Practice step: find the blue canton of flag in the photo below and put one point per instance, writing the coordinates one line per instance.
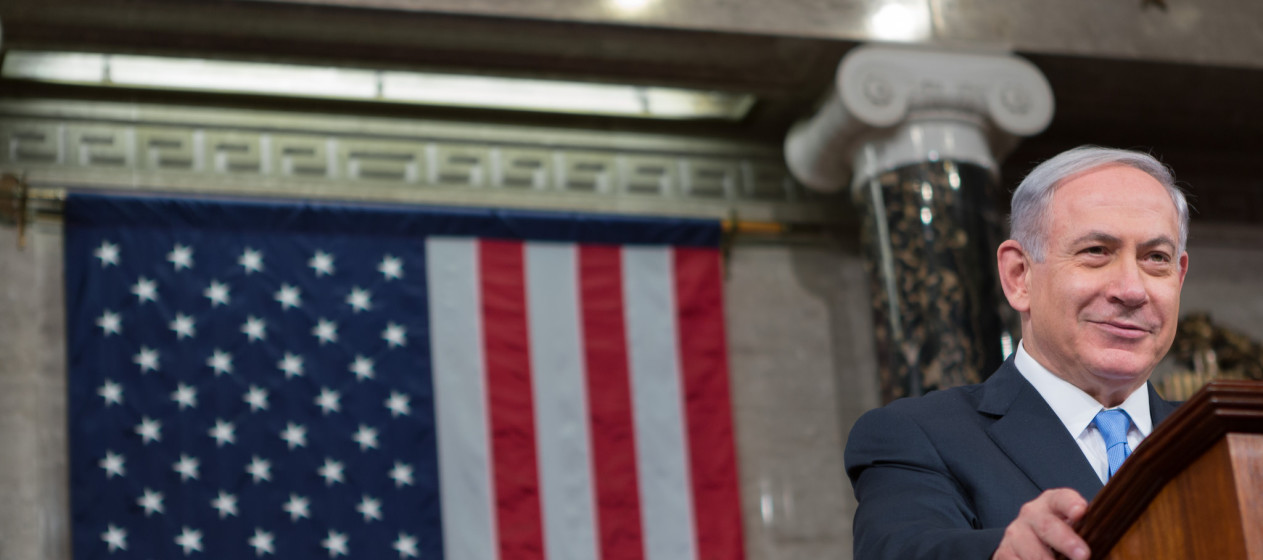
(240, 390)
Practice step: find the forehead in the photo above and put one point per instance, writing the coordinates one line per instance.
(1113, 196)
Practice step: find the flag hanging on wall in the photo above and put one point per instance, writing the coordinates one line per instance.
(268, 380)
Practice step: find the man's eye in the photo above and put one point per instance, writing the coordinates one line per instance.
(1098, 250)
(1160, 257)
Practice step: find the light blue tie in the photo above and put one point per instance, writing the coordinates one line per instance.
(1113, 425)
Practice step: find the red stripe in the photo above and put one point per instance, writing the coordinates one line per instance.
(708, 412)
(510, 401)
(609, 402)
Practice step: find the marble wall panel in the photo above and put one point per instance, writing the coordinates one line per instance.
(803, 369)
(33, 462)
(1225, 277)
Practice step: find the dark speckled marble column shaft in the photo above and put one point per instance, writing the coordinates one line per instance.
(929, 235)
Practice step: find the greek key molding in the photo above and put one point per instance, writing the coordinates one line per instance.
(88, 144)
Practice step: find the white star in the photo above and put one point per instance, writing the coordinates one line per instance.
(254, 328)
(326, 331)
(295, 435)
(336, 543)
(151, 501)
(401, 474)
(362, 368)
(110, 323)
(251, 260)
(113, 465)
(220, 361)
(395, 335)
(289, 296)
(147, 359)
(257, 397)
(360, 299)
(291, 364)
(328, 401)
(226, 504)
(223, 433)
(181, 257)
(145, 290)
(149, 430)
(398, 404)
(183, 326)
(391, 268)
(262, 542)
(112, 392)
(370, 508)
(322, 263)
(331, 471)
(115, 537)
(186, 466)
(107, 252)
(406, 545)
(297, 507)
(259, 469)
(366, 437)
(189, 540)
(185, 395)
(217, 293)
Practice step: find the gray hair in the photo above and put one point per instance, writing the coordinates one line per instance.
(1029, 220)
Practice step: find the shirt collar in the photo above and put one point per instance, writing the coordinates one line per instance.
(1072, 405)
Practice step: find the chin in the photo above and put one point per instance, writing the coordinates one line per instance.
(1122, 366)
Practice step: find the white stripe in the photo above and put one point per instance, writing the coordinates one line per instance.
(561, 409)
(469, 531)
(661, 447)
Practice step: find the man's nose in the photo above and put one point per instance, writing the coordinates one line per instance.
(1127, 286)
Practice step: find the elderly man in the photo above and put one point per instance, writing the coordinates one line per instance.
(1002, 469)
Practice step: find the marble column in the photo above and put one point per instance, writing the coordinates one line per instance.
(928, 239)
(917, 135)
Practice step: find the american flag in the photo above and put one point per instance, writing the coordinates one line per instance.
(257, 379)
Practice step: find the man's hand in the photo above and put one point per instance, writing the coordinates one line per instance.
(1043, 526)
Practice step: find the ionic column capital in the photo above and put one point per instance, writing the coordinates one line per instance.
(889, 96)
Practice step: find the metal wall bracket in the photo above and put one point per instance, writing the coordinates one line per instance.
(14, 194)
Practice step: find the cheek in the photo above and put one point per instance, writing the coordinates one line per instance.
(1056, 305)
(1065, 294)
(1165, 297)
(1169, 310)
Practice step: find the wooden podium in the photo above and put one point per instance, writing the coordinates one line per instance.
(1193, 490)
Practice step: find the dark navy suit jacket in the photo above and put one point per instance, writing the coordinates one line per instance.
(941, 476)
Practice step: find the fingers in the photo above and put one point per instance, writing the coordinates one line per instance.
(1066, 503)
(1043, 526)
(1050, 520)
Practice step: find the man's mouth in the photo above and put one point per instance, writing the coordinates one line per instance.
(1124, 329)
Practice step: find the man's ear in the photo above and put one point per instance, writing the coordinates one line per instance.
(1015, 272)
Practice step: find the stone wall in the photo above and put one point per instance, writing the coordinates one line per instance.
(34, 520)
(803, 370)
(1225, 276)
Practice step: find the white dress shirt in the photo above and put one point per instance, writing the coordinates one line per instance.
(1076, 409)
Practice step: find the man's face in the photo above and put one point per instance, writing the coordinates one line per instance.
(1105, 302)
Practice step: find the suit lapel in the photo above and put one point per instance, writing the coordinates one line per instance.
(1159, 409)
(1029, 432)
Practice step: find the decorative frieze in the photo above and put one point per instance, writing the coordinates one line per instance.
(86, 145)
